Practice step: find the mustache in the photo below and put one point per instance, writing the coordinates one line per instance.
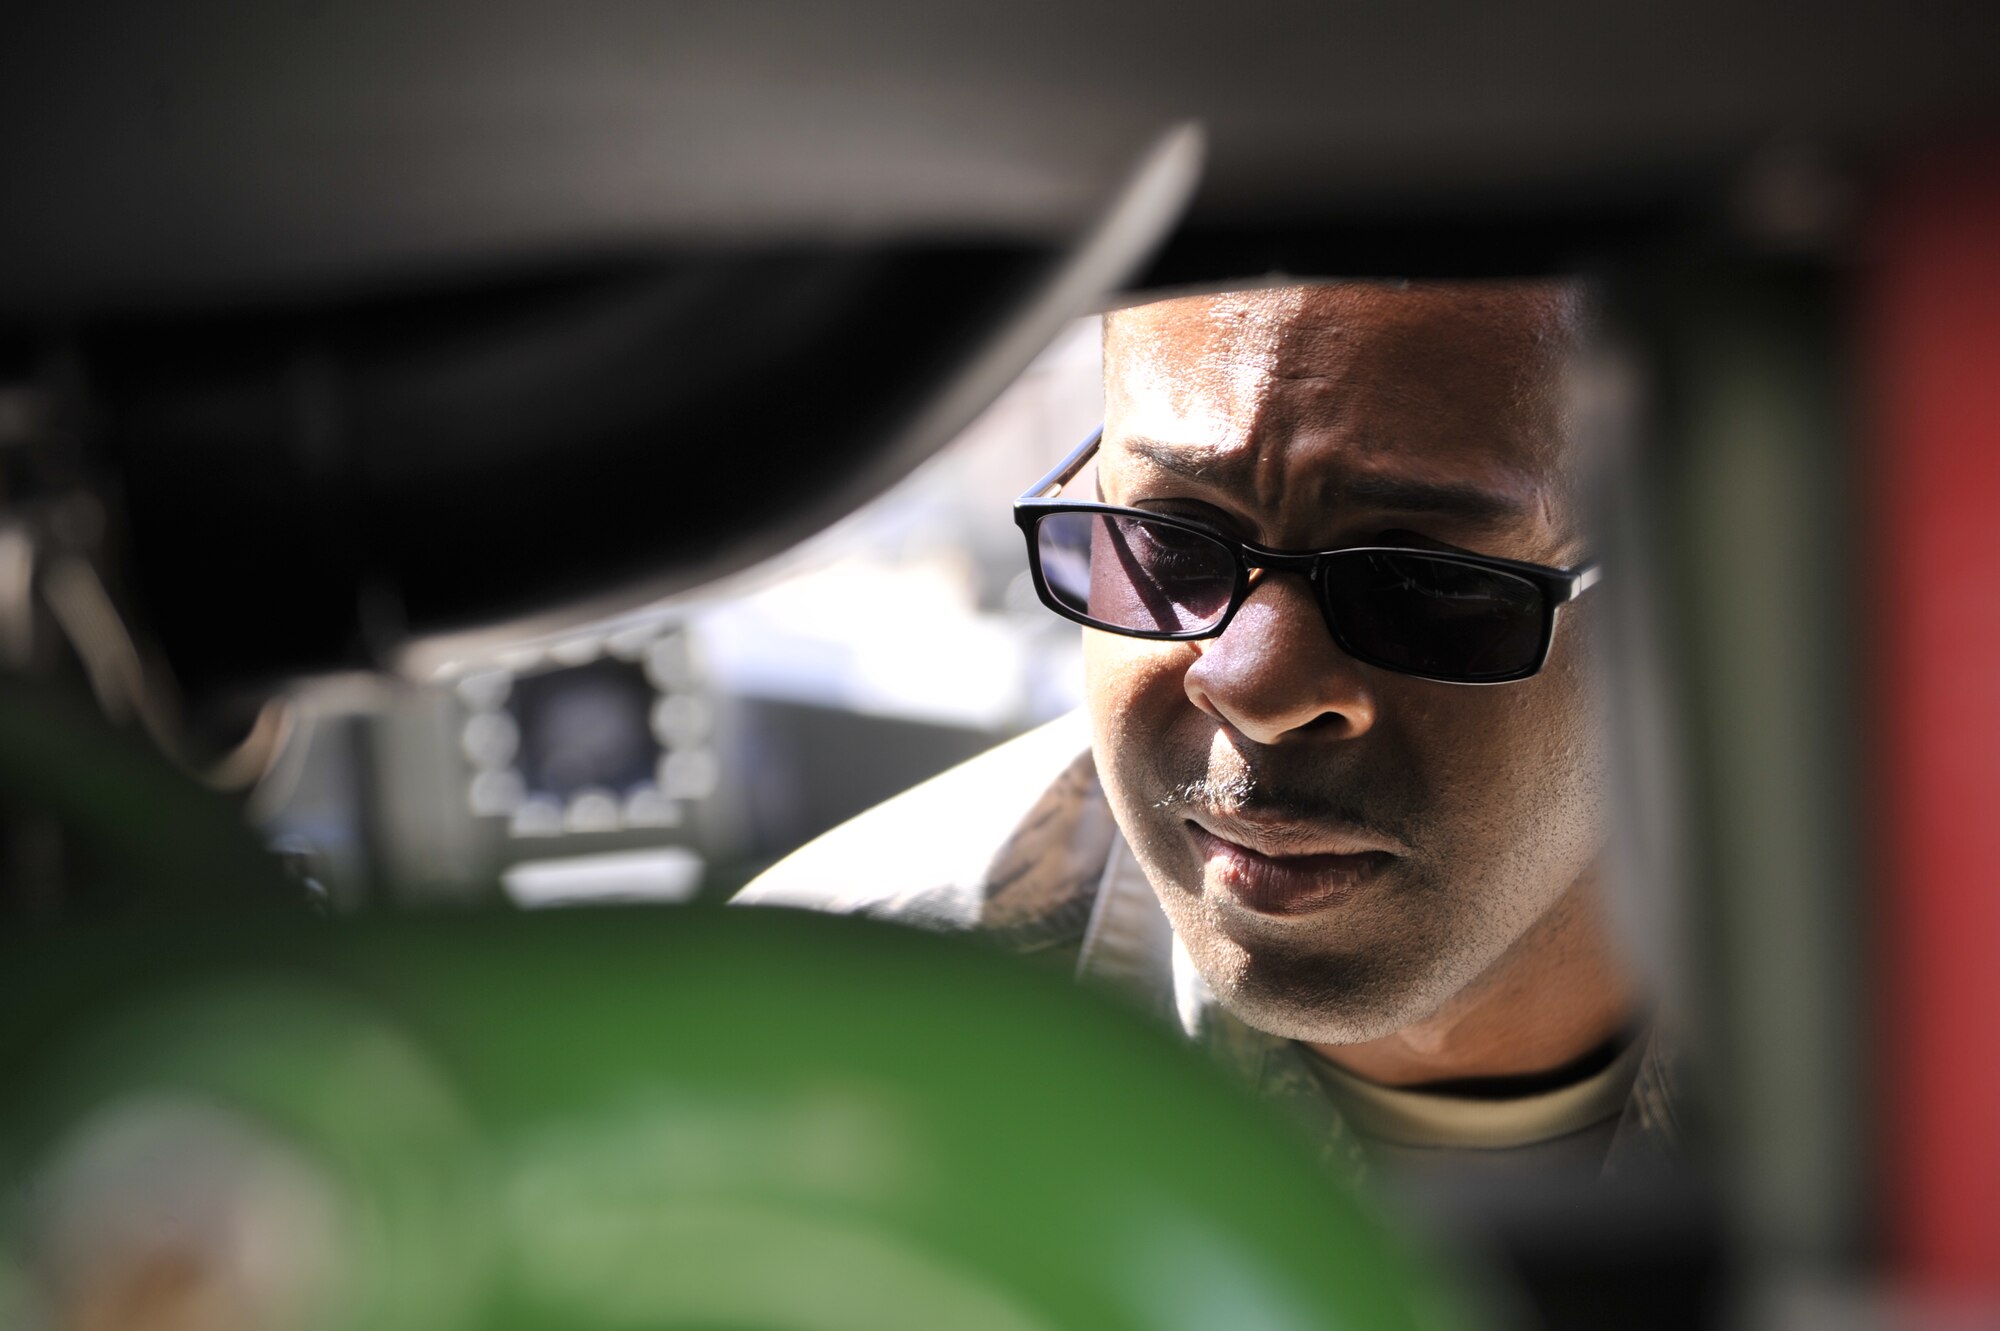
(1247, 793)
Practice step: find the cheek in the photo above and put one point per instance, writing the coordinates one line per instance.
(1130, 676)
(1522, 764)
(1514, 751)
(1136, 694)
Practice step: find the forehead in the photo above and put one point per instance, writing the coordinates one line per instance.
(1443, 383)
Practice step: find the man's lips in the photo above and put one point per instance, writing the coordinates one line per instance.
(1287, 869)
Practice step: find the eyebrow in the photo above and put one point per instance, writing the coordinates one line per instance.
(1222, 467)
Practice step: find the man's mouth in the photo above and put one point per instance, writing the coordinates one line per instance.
(1282, 870)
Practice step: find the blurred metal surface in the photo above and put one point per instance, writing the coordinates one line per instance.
(312, 483)
(225, 145)
(1752, 474)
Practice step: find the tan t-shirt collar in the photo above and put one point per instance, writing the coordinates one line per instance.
(1404, 1117)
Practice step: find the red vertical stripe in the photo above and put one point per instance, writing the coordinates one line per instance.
(1934, 338)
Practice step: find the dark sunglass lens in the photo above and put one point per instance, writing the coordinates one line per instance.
(1129, 573)
(1433, 616)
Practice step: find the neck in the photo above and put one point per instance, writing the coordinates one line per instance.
(1559, 993)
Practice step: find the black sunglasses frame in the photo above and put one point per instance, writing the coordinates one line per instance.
(1558, 586)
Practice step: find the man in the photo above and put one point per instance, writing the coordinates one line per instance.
(1343, 712)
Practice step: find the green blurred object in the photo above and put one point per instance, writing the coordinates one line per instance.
(142, 835)
(648, 1118)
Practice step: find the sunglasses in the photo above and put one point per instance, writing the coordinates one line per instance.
(1438, 615)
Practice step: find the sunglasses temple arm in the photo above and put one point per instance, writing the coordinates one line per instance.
(1584, 579)
(1065, 471)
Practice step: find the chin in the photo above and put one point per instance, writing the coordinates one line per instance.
(1322, 999)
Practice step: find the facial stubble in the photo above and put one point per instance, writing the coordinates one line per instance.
(1366, 967)
(1395, 954)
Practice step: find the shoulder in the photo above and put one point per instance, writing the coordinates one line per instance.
(1012, 842)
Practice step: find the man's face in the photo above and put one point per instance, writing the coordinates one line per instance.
(1342, 848)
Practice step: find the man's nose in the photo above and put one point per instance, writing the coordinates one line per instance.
(1276, 669)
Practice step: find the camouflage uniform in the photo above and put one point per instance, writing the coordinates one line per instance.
(1020, 846)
